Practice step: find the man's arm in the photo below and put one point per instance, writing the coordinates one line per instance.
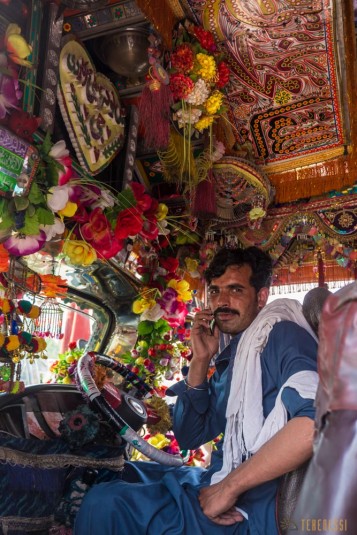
(285, 451)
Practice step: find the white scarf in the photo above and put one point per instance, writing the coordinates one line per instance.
(246, 431)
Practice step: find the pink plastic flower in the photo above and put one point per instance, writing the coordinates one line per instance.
(21, 245)
(10, 94)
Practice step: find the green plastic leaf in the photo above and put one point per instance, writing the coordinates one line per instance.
(36, 196)
(31, 226)
(145, 327)
(126, 199)
(44, 216)
(21, 203)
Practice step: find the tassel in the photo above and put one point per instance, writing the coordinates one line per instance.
(154, 111)
(320, 270)
(204, 205)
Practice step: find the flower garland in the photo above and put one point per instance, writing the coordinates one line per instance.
(197, 76)
(161, 348)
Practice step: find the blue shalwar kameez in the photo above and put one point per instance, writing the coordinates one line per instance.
(151, 499)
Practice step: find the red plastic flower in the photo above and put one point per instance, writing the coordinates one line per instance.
(150, 230)
(97, 231)
(181, 86)
(170, 264)
(129, 223)
(182, 59)
(143, 200)
(223, 74)
(205, 39)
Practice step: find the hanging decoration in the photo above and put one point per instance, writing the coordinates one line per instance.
(90, 108)
(155, 100)
(241, 184)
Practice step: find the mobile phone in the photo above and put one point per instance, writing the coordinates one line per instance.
(211, 326)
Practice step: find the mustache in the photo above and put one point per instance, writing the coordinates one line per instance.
(225, 310)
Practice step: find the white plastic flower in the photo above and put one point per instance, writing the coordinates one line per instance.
(199, 93)
(184, 117)
(152, 314)
(57, 198)
(57, 229)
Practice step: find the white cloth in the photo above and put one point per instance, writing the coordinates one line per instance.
(246, 430)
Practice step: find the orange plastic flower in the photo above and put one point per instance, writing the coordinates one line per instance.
(4, 259)
(52, 285)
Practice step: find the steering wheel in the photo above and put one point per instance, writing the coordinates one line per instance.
(133, 406)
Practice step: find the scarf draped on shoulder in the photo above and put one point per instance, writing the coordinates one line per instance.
(246, 429)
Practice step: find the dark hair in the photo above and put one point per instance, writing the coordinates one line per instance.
(260, 262)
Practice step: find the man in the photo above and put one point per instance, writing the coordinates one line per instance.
(260, 444)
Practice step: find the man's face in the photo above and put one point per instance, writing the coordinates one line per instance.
(233, 301)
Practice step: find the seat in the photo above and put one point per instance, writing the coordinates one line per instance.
(40, 470)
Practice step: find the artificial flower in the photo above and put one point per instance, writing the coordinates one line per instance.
(182, 59)
(175, 310)
(199, 93)
(208, 67)
(150, 229)
(223, 74)
(10, 94)
(4, 259)
(182, 288)
(213, 103)
(152, 314)
(192, 266)
(159, 441)
(21, 245)
(205, 39)
(97, 230)
(129, 223)
(53, 285)
(57, 198)
(143, 200)
(170, 264)
(161, 212)
(60, 153)
(69, 210)
(51, 231)
(17, 47)
(79, 252)
(110, 249)
(23, 124)
(181, 86)
(256, 213)
(204, 123)
(140, 305)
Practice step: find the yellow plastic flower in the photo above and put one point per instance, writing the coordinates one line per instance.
(256, 213)
(69, 210)
(191, 265)
(17, 47)
(182, 287)
(214, 102)
(208, 67)
(161, 211)
(80, 253)
(159, 441)
(140, 305)
(204, 122)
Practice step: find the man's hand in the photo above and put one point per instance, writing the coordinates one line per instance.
(218, 505)
(204, 340)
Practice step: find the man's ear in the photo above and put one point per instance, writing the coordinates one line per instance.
(263, 295)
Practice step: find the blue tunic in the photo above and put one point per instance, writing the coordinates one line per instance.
(152, 499)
